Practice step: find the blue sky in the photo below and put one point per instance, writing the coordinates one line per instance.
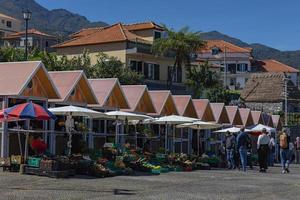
(275, 23)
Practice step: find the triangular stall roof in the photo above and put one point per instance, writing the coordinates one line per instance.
(73, 87)
(267, 120)
(26, 79)
(163, 103)
(277, 122)
(246, 116)
(234, 115)
(220, 113)
(203, 110)
(257, 117)
(185, 106)
(138, 98)
(109, 93)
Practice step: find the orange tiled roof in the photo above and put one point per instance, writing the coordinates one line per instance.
(30, 31)
(275, 66)
(14, 77)
(8, 17)
(221, 44)
(143, 26)
(65, 81)
(133, 94)
(113, 33)
(85, 32)
(181, 102)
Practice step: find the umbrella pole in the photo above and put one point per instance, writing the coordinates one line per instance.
(166, 137)
(116, 136)
(198, 142)
(19, 139)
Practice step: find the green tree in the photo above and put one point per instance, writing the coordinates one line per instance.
(182, 44)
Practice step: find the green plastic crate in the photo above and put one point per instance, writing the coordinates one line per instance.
(155, 171)
(34, 162)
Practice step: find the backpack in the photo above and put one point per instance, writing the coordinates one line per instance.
(283, 141)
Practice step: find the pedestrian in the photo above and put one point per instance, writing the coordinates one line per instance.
(230, 148)
(272, 148)
(242, 145)
(297, 150)
(284, 140)
(263, 150)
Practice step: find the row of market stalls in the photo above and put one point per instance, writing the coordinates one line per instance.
(22, 82)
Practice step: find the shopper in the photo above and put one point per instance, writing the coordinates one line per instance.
(284, 140)
(297, 150)
(230, 148)
(272, 148)
(263, 150)
(242, 144)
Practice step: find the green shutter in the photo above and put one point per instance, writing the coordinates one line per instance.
(156, 72)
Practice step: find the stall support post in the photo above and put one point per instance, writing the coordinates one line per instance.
(4, 134)
(91, 135)
(166, 137)
(52, 137)
(181, 140)
(190, 137)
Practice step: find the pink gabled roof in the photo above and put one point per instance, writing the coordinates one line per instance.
(133, 94)
(277, 121)
(65, 81)
(181, 102)
(219, 110)
(14, 77)
(246, 116)
(159, 99)
(233, 114)
(200, 106)
(257, 117)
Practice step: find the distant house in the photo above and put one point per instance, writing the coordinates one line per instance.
(237, 59)
(36, 39)
(266, 92)
(8, 25)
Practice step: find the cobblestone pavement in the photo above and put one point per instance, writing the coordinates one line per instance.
(213, 184)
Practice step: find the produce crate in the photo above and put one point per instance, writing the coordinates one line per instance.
(34, 162)
(16, 159)
(164, 170)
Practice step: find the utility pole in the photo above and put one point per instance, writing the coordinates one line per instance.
(27, 17)
(225, 69)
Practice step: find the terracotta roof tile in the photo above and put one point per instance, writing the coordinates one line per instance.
(114, 33)
(275, 66)
(14, 76)
(230, 48)
(85, 32)
(268, 87)
(30, 32)
(143, 26)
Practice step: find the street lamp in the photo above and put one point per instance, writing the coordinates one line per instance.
(27, 17)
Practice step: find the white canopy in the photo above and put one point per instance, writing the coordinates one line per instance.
(127, 115)
(231, 130)
(199, 125)
(77, 111)
(174, 119)
(260, 127)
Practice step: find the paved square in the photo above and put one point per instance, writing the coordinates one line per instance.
(213, 184)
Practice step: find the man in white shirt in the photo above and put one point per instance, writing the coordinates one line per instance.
(263, 149)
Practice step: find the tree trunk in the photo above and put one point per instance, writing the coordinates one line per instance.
(170, 81)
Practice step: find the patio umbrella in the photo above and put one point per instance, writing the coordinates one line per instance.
(231, 130)
(257, 129)
(77, 111)
(71, 111)
(199, 125)
(29, 111)
(173, 120)
(124, 116)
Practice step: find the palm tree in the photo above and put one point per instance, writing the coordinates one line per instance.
(183, 44)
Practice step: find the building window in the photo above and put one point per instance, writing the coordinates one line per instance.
(242, 67)
(177, 76)
(136, 66)
(47, 44)
(8, 24)
(3, 21)
(151, 71)
(157, 35)
(215, 51)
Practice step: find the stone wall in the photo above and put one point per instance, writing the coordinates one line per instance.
(266, 107)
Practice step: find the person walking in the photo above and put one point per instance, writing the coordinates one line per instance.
(284, 140)
(263, 150)
(297, 150)
(230, 148)
(242, 145)
(272, 148)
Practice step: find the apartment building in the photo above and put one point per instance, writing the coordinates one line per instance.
(8, 25)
